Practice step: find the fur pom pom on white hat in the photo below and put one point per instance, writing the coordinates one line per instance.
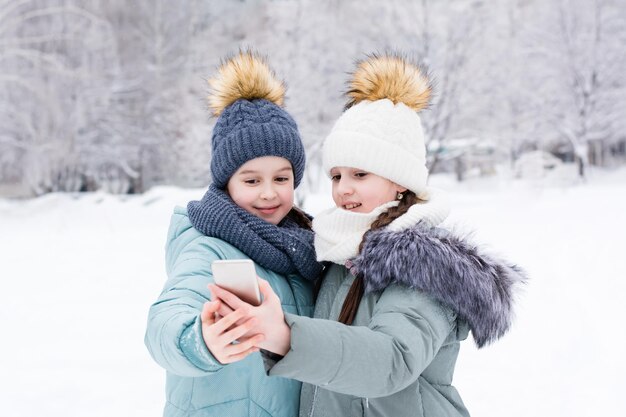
(380, 131)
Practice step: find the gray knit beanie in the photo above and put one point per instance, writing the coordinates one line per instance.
(247, 97)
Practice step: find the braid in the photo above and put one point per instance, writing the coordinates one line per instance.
(357, 289)
(409, 198)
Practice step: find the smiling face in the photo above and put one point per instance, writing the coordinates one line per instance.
(361, 191)
(263, 187)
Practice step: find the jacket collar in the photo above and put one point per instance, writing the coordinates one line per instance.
(479, 287)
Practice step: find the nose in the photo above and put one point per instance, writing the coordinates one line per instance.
(344, 187)
(268, 192)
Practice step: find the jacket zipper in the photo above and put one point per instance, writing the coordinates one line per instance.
(293, 294)
(313, 402)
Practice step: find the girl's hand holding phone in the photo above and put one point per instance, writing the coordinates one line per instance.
(269, 316)
(219, 334)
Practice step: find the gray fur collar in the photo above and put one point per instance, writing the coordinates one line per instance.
(477, 286)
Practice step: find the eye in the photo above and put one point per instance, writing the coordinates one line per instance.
(360, 174)
(251, 181)
(335, 177)
(282, 179)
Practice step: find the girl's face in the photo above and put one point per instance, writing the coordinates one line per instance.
(263, 187)
(361, 191)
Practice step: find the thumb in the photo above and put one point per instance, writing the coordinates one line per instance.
(208, 312)
(266, 290)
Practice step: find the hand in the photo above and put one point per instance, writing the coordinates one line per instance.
(223, 310)
(269, 315)
(219, 336)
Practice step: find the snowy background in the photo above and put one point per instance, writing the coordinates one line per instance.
(100, 95)
(79, 272)
(104, 129)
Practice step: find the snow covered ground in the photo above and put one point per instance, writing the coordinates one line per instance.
(79, 272)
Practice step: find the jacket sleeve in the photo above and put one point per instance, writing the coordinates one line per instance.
(406, 330)
(174, 332)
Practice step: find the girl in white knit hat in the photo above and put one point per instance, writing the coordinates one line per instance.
(400, 293)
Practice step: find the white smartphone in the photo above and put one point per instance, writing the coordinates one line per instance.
(239, 277)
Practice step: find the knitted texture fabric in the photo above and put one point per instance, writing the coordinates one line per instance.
(249, 129)
(382, 138)
(285, 248)
(339, 232)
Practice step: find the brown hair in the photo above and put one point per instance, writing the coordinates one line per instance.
(353, 299)
(300, 218)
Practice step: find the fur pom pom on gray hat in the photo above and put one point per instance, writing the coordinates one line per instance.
(247, 98)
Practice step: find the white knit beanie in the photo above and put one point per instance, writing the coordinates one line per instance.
(381, 132)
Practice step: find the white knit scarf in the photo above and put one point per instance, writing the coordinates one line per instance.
(338, 232)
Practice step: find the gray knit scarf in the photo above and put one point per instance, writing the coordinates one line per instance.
(285, 248)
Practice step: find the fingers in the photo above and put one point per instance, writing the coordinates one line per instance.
(238, 331)
(208, 311)
(224, 310)
(240, 356)
(245, 320)
(213, 306)
(244, 345)
(219, 337)
(229, 298)
(265, 289)
(226, 322)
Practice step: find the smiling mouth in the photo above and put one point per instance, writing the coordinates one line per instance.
(351, 206)
(268, 210)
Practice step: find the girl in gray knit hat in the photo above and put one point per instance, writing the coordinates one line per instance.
(402, 293)
(247, 213)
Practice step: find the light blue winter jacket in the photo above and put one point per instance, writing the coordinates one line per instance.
(197, 384)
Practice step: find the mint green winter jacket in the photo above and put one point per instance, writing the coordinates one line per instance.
(425, 289)
(396, 360)
(197, 384)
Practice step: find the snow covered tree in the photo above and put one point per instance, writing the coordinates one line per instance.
(111, 95)
(581, 75)
(55, 75)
